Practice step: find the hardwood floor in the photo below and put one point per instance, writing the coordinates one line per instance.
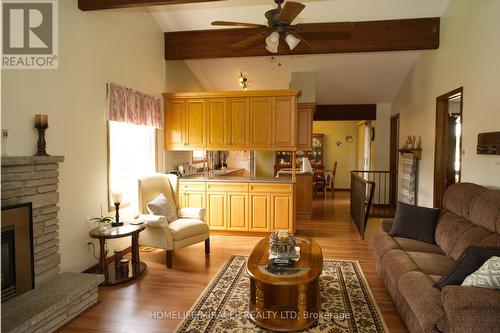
(129, 307)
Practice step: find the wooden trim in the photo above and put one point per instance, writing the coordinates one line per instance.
(441, 156)
(113, 4)
(236, 93)
(366, 36)
(345, 112)
(95, 268)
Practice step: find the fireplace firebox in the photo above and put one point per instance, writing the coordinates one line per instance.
(17, 251)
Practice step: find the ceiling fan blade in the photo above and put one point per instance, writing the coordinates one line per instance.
(238, 24)
(296, 35)
(249, 41)
(290, 11)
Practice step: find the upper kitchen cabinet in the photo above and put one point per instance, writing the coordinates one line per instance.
(174, 123)
(234, 120)
(196, 133)
(238, 122)
(305, 113)
(260, 122)
(217, 119)
(283, 122)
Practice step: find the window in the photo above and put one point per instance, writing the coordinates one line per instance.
(132, 154)
(198, 156)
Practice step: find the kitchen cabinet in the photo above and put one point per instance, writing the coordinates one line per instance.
(238, 123)
(196, 123)
(192, 195)
(260, 122)
(264, 120)
(217, 120)
(283, 122)
(305, 113)
(242, 206)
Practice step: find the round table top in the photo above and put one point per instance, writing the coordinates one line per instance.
(117, 232)
(306, 269)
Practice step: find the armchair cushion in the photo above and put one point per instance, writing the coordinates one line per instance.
(158, 221)
(161, 206)
(192, 213)
(183, 228)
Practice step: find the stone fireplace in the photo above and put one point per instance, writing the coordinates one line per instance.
(18, 273)
(30, 192)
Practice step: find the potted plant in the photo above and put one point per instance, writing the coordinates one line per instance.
(102, 221)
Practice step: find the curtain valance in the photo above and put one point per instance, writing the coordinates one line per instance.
(131, 106)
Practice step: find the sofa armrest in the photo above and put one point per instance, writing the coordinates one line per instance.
(386, 225)
(471, 309)
(192, 213)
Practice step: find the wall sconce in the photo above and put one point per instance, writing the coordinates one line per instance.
(243, 82)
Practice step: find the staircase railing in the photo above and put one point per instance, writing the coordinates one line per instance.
(362, 191)
(383, 198)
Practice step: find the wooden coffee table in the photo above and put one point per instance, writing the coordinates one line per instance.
(289, 301)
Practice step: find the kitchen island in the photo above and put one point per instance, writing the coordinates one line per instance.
(241, 204)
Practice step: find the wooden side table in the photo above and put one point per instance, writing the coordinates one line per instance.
(136, 267)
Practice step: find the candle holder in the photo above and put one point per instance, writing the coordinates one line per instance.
(41, 124)
(117, 222)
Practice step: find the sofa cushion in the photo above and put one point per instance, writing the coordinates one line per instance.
(415, 222)
(471, 237)
(460, 197)
(381, 243)
(485, 211)
(417, 246)
(472, 258)
(185, 228)
(449, 229)
(423, 299)
(396, 263)
(431, 263)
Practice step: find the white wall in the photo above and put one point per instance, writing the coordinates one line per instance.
(123, 46)
(468, 56)
(381, 144)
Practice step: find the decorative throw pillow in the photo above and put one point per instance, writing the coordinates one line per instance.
(161, 206)
(487, 276)
(415, 222)
(469, 262)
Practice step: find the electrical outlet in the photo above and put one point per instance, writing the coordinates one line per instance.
(88, 243)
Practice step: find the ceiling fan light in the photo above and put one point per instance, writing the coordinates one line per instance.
(272, 42)
(292, 41)
(272, 48)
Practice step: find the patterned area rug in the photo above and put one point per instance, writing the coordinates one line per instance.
(347, 304)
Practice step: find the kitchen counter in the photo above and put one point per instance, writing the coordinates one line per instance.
(237, 179)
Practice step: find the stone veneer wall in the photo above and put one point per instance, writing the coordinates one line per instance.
(35, 179)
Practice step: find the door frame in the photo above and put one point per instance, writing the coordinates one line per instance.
(441, 153)
(394, 159)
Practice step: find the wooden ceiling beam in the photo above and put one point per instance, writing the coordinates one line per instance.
(345, 112)
(86, 5)
(366, 36)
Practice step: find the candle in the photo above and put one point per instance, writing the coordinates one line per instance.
(41, 120)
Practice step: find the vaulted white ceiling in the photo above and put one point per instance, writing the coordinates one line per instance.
(340, 78)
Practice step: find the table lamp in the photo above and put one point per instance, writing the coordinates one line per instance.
(116, 196)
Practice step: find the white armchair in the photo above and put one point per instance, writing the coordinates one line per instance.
(189, 228)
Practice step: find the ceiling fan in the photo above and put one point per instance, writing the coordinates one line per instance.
(279, 22)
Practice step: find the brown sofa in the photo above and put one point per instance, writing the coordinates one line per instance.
(409, 268)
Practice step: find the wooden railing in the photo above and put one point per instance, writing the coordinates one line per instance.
(383, 204)
(362, 191)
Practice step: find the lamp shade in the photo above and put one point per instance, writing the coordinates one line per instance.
(292, 41)
(272, 42)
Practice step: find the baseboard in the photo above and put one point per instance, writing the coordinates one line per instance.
(95, 268)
